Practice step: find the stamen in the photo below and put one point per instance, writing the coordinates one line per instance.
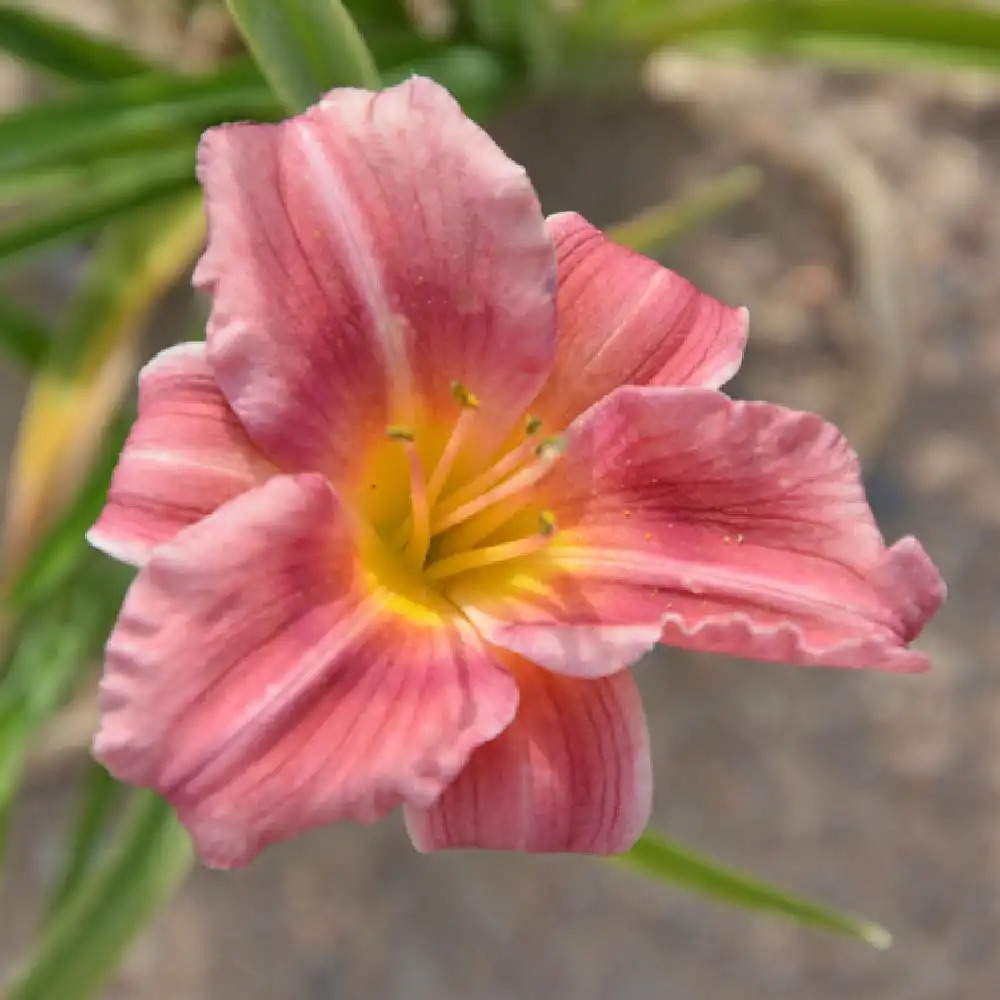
(494, 554)
(458, 439)
(548, 454)
(499, 470)
(420, 536)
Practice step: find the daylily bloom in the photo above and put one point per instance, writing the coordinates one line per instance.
(441, 472)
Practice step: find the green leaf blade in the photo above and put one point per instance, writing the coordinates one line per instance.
(149, 111)
(82, 947)
(923, 31)
(63, 49)
(100, 796)
(658, 857)
(25, 338)
(304, 47)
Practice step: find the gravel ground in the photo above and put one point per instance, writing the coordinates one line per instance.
(876, 793)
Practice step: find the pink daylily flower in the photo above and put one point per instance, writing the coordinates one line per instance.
(442, 471)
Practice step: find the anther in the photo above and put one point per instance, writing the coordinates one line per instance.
(532, 425)
(465, 397)
(397, 433)
(555, 444)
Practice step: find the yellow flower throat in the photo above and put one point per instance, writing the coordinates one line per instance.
(441, 518)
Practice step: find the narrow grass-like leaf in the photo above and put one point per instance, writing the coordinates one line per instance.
(62, 48)
(657, 857)
(118, 193)
(100, 796)
(15, 730)
(50, 649)
(21, 188)
(82, 947)
(24, 337)
(140, 112)
(927, 31)
(304, 47)
(62, 551)
(662, 223)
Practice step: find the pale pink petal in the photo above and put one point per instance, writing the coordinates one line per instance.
(186, 455)
(737, 527)
(570, 773)
(626, 320)
(262, 685)
(361, 257)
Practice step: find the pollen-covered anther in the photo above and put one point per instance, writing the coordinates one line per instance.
(547, 522)
(399, 433)
(532, 425)
(464, 396)
(554, 446)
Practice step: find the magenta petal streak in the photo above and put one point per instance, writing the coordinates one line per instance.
(571, 773)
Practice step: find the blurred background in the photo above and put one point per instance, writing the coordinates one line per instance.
(842, 179)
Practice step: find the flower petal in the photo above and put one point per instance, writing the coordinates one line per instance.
(186, 455)
(362, 257)
(571, 773)
(739, 527)
(262, 685)
(626, 320)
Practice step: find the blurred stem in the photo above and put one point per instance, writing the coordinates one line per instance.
(662, 223)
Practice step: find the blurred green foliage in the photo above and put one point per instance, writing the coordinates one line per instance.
(113, 145)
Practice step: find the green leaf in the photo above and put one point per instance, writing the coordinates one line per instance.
(101, 794)
(63, 550)
(21, 188)
(64, 49)
(304, 47)
(119, 193)
(82, 947)
(23, 336)
(929, 31)
(51, 648)
(662, 223)
(131, 266)
(15, 730)
(657, 857)
(142, 112)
